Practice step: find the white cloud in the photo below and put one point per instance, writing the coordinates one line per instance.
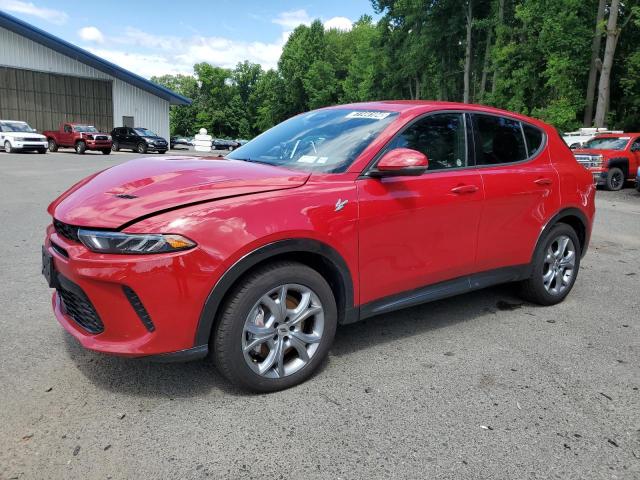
(91, 34)
(293, 18)
(145, 65)
(339, 23)
(57, 17)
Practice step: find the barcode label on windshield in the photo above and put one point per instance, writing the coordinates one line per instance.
(370, 115)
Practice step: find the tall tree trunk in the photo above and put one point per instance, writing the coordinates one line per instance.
(467, 56)
(494, 80)
(605, 76)
(485, 65)
(593, 69)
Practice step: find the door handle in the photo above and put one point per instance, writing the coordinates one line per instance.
(543, 181)
(460, 189)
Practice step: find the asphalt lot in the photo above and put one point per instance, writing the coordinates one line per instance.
(478, 386)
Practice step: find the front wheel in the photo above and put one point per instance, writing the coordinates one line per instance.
(275, 328)
(42, 150)
(7, 147)
(162, 152)
(556, 262)
(106, 151)
(142, 147)
(81, 147)
(615, 179)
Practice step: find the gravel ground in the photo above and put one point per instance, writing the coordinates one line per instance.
(478, 386)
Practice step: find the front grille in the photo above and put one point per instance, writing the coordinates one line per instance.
(589, 160)
(137, 305)
(77, 305)
(32, 139)
(101, 137)
(70, 232)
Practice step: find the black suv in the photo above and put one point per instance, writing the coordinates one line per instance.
(139, 140)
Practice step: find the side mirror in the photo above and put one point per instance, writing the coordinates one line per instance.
(401, 162)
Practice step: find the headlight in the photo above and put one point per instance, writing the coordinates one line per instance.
(108, 137)
(88, 136)
(134, 243)
(149, 140)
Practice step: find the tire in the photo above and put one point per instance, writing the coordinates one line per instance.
(7, 147)
(141, 147)
(53, 146)
(42, 150)
(162, 152)
(81, 147)
(615, 179)
(115, 146)
(539, 288)
(230, 337)
(106, 151)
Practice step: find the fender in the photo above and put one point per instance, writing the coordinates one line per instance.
(567, 212)
(620, 162)
(297, 245)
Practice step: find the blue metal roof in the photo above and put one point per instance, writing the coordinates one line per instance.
(61, 46)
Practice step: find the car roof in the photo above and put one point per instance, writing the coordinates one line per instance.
(423, 106)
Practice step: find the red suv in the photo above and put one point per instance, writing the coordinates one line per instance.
(333, 216)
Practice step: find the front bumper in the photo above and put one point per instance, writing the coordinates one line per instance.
(29, 145)
(157, 147)
(172, 289)
(98, 144)
(599, 175)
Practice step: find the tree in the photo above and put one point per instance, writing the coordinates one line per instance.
(593, 68)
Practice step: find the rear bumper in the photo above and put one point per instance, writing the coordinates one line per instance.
(172, 289)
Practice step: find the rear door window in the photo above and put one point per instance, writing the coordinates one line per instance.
(534, 138)
(499, 140)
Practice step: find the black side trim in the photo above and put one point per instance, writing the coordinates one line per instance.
(221, 288)
(137, 305)
(445, 289)
(188, 355)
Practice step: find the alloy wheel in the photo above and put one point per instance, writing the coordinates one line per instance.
(283, 331)
(616, 181)
(559, 265)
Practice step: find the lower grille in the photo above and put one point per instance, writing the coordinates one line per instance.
(77, 305)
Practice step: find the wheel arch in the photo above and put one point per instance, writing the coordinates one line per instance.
(313, 253)
(577, 220)
(620, 162)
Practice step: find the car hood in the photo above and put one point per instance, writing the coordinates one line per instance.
(25, 135)
(142, 187)
(155, 139)
(604, 153)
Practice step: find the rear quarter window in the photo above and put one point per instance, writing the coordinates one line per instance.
(534, 137)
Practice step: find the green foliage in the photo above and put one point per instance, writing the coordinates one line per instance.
(534, 60)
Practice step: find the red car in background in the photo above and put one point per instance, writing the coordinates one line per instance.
(332, 216)
(79, 136)
(613, 159)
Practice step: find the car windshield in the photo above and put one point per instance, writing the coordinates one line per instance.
(15, 127)
(607, 143)
(324, 140)
(143, 132)
(85, 128)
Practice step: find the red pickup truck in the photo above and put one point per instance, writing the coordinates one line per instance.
(612, 158)
(80, 136)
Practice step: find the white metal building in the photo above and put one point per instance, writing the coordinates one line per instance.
(45, 80)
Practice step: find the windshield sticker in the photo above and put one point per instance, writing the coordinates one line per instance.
(307, 159)
(369, 115)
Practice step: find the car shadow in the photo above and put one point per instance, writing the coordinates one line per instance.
(198, 378)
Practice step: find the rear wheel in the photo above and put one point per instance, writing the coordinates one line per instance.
(7, 147)
(556, 262)
(615, 179)
(142, 147)
(275, 328)
(81, 147)
(115, 146)
(53, 146)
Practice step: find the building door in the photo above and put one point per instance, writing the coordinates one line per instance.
(45, 99)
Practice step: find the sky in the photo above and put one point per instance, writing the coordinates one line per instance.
(169, 37)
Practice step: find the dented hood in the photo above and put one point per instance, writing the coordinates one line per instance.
(145, 186)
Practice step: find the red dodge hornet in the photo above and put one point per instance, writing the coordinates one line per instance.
(333, 216)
